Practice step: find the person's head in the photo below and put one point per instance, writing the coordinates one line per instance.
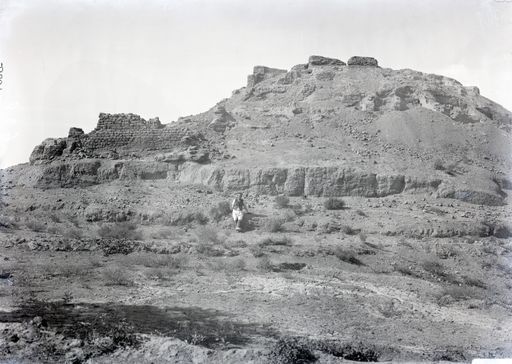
(239, 195)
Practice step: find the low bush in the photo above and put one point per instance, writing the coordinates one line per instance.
(228, 266)
(281, 202)
(273, 224)
(290, 351)
(457, 293)
(115, 276)
(434, 267)
(73, 269)
(333, 203)
(180, 218)
(238, 264)
(35, 225)
(72, 233)
(257, 251)
(8, 222)
(152, 260)
(361, 213)
(121, 230)
(474, 282)
(163, 233)
(288, 215)
(220, 211)
(346, 229)
(264, 264)
(405, 270)
(439, 165)
(281, 240)
(157, 273)
(207, 234)
(347, 256)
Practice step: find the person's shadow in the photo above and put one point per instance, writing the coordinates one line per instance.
(250, 221)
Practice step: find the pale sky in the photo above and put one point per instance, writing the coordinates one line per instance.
(64, 62)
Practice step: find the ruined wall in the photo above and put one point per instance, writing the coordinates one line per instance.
(130, 131)
(122, 133)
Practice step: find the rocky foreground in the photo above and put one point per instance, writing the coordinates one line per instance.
(379, 228)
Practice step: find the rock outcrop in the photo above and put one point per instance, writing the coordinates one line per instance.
(324, 61)
(261, 73)
(48, 150)
(362, 61)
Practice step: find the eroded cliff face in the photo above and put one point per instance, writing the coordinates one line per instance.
(324, 128)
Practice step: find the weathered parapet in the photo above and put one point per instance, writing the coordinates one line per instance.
(261, 73)
(135, 139)
(130, 132)
(126, 121)
(122, 133)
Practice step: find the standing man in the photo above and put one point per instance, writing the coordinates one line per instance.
(238, 207)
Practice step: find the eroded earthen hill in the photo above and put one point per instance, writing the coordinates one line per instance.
(323, 128)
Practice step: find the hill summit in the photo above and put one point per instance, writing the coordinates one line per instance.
(323, 128)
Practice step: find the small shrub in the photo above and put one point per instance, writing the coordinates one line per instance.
(289, 266)
(121, 230)
(72, 233)
(434, 267)
(257, 251)
(238, 264)
(405, 270)
(474, 282)
(180, 218)
(52, 230)
(220, 210)
(54, 217)
(67, 297)
(290, 351)
(8, 222)
(273, 224)
(163, 233)
(35, 225)
(288, 215)
(228, 266)
(72, 269)
(458, 294)
(208, 249)
(348, 230)
(265, 265)
(207, 234)
(347, 256)
(281, 240)
(361, 213)
(281, 202)
(95, 262)
(115, 276)
(333, 203)
(157, 273)
(74, 220)
(197, 339)
(152, 260)
(439, 165)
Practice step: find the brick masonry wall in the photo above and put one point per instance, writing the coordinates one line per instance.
(133, 132)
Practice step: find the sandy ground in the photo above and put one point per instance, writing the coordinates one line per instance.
(372, 276)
